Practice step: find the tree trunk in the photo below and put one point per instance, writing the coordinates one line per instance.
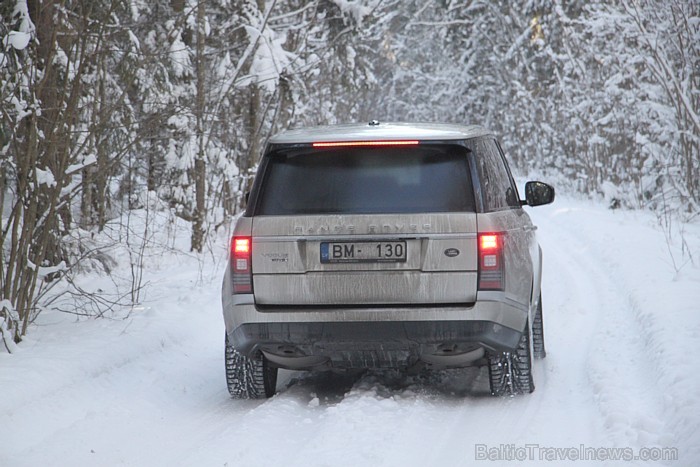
(200, 164)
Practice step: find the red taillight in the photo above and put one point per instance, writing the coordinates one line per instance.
(488, 242)
(241, 245)
(342, 144)
(241, 268)
(491, 270)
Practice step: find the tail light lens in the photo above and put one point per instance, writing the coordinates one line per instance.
(491, 267)
(241, 267)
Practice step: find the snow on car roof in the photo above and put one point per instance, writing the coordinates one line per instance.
(380, 131)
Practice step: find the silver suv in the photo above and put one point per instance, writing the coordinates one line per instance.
(386, 245)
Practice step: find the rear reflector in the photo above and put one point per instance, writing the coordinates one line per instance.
(241, 268)
(491, 267)
(341, 144)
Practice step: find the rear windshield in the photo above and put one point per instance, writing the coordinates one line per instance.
(425, 178)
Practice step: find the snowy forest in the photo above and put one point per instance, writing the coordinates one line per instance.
(117, 107)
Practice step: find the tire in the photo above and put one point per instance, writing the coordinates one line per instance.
(538, 350)
(510, 373)
(249, 378)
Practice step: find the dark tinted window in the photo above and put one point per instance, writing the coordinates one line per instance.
(426, 178)
(513, 196)
(497, 189)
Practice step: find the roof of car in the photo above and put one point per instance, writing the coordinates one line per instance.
(374, 130)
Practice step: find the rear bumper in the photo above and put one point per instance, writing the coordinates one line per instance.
(386, 337)
(373, 344)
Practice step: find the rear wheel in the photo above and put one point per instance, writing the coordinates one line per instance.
(510, 373)
(249, 378)
(538, 350)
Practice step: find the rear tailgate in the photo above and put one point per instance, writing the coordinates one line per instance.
(364, 260)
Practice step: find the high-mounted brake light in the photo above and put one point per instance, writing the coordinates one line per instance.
(341, 144)
(241, 267)
(491, 268)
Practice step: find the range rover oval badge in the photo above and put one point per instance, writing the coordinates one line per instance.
(451, 252)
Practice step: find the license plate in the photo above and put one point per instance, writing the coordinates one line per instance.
(363, 252)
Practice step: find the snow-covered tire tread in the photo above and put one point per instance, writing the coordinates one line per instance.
(248, 378)
(510, 373)
(538, 348)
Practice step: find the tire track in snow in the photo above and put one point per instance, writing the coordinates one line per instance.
(623, 380)
(379, 422)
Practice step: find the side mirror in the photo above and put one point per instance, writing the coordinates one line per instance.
(538, 193)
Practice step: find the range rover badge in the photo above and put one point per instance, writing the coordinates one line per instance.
(451, 252)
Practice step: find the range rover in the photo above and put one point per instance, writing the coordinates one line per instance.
(384, 245)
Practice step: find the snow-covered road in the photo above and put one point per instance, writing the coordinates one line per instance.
(621, 325)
